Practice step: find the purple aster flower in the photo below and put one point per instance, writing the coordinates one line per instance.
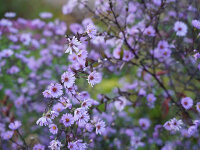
(151, 98)
(91, 30)
(15, 125)
(89, 127)
(44, 121)
(58, 107)
(65, 102)
(127, 56)
(144, 123)
(53, 114)
(84, 95)
(94, 78)
(198, 106)
(55, 145)
(166, 53)
(72, 145)
(162, 45)
(82, 55)
(192, 130)
(180, 28)
(86, 104)
(196, 24)
(56, 90)
(78, 112)
(150, 31)
(6, 53)
(157, 2)
(67, 119)
(136, 142)
(73, 44)
(68, 8)
(187, 102)
(38, 147)
(47, 94)
(167, 125)
(176, 124)
(83, 118)
(121, 103)
(7, 135)
(46, 15)
(10, 14)
(13, 70)
(117, 53)
(196, 55)
(68, 78)
(73, 57)
(81, 145)
(100, 127)
(53, 129)
(76, 28)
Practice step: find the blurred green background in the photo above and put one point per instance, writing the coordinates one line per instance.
(31, 8)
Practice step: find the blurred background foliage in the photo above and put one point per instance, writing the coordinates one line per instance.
(30, 9)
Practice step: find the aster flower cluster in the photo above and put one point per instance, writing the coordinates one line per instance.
(130, 81)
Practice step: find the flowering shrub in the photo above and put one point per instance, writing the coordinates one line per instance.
(124, 78)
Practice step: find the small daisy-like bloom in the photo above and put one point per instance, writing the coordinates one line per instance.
(144, 123)
(6, 53)
(136, 142)
(89, 127)
(150, 31)
(187, 102)
(53, 129)
(15, 125)
(94, 78)
(100, 126)
(43, 121)
(10, 14)
(78, 112)
(167, 125)
(117, 53)
(166, 53)
(196, 24)
(68, 78)
(58, 107)
(72, 145)
(196, 56)
(55, 145)
(127, 56)
(56, 90)
(151, 98)
(46, 15)
(157, 2)
(162, 45)
(73, 44)
(81, 145)
(180, 28)
(53, 114)
(91, 30)
(47, 94)
(83, 118)
(67, 119)
(39, 147)
(7, 135)
(176, 124)
(86, 104)
(82, 55)
(192, 130)
(121, 103)
(198, 106)
(13, 70)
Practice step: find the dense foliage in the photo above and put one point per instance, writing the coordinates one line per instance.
(125, 78)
